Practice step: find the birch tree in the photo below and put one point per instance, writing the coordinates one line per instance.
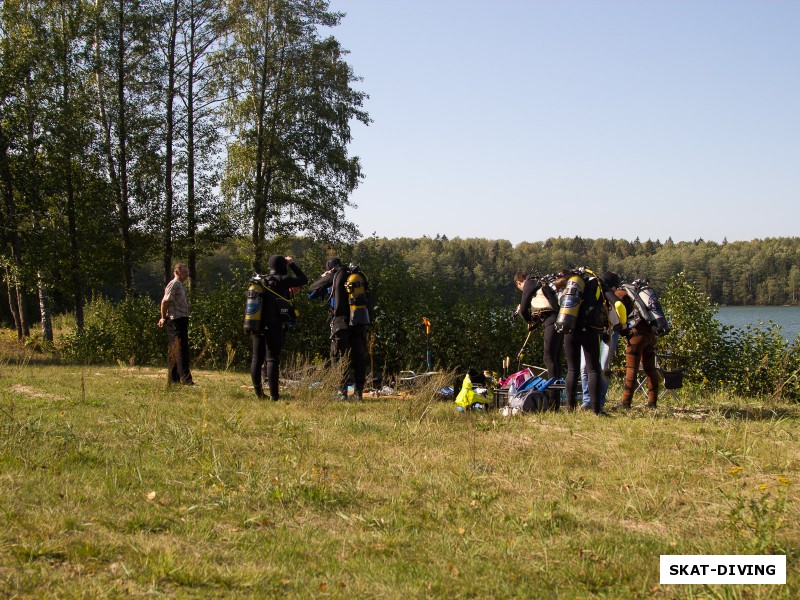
(289, 113)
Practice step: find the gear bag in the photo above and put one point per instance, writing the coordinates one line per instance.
(646, 307)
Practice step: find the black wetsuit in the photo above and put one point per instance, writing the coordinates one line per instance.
(586, 338)
(552, 339)
(346, 339)
(268, 344)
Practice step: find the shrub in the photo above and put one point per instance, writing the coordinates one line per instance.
(751, 361)
(471, 330)
(121, 332)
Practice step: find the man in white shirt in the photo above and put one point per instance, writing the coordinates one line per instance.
(175, 315)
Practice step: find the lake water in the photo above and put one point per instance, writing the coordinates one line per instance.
(788, 317)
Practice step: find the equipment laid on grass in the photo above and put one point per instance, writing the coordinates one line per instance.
(467, 398)
(533, 396)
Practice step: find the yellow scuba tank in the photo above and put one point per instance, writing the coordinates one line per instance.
(254, 307)
(622, 316)
(570, 304)
(356, 288)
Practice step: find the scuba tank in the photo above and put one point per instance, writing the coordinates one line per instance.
(255, 305)
(618, 316)
(356, 287)
(647, 308)
(658, 320)
(570, 304)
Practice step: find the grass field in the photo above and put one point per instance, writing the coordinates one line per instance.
(112, 484)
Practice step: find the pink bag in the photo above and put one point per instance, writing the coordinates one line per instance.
(517, 378)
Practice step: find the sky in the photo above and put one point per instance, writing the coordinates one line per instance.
(528, 119)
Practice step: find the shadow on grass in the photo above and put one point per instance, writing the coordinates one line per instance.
(740, 413)
(758, 413)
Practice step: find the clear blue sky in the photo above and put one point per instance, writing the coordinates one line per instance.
(523, 120)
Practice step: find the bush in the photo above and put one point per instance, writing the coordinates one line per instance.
(122, 332)
(471, 329)
(749, 361)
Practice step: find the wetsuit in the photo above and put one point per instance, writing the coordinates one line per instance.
(268, 344)
(552, 339)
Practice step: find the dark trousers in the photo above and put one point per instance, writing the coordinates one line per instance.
(588, 342)
(351, 342)
(267, 348)
(641, 348)
(553, 342)
(178, 353)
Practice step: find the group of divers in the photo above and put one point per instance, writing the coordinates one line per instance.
(585, 314)
(580, 312)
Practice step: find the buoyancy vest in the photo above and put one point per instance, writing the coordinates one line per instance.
(356, 287)
(545, 299)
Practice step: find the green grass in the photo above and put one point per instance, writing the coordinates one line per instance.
(113, 484)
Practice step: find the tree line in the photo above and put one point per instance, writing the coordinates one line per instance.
(757, 272)
(141, 130)
(463, 287)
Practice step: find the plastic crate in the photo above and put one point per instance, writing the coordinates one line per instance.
(500, 397)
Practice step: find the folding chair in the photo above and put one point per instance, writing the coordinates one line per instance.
(671, 368)
(641, 381)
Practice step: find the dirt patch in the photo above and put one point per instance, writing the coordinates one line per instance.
(33, 392)
(651, 528)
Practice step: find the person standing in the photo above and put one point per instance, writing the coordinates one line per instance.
(175, 315)
(349, 316)
(584, 336)
(640, 349)
(268, 343)
(541, 305)
(608, 341)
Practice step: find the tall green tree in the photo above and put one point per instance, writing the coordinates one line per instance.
(20, 99)
(128, 81)
(290, 111)
(204, 27)
(172, 17)
(71, 134)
